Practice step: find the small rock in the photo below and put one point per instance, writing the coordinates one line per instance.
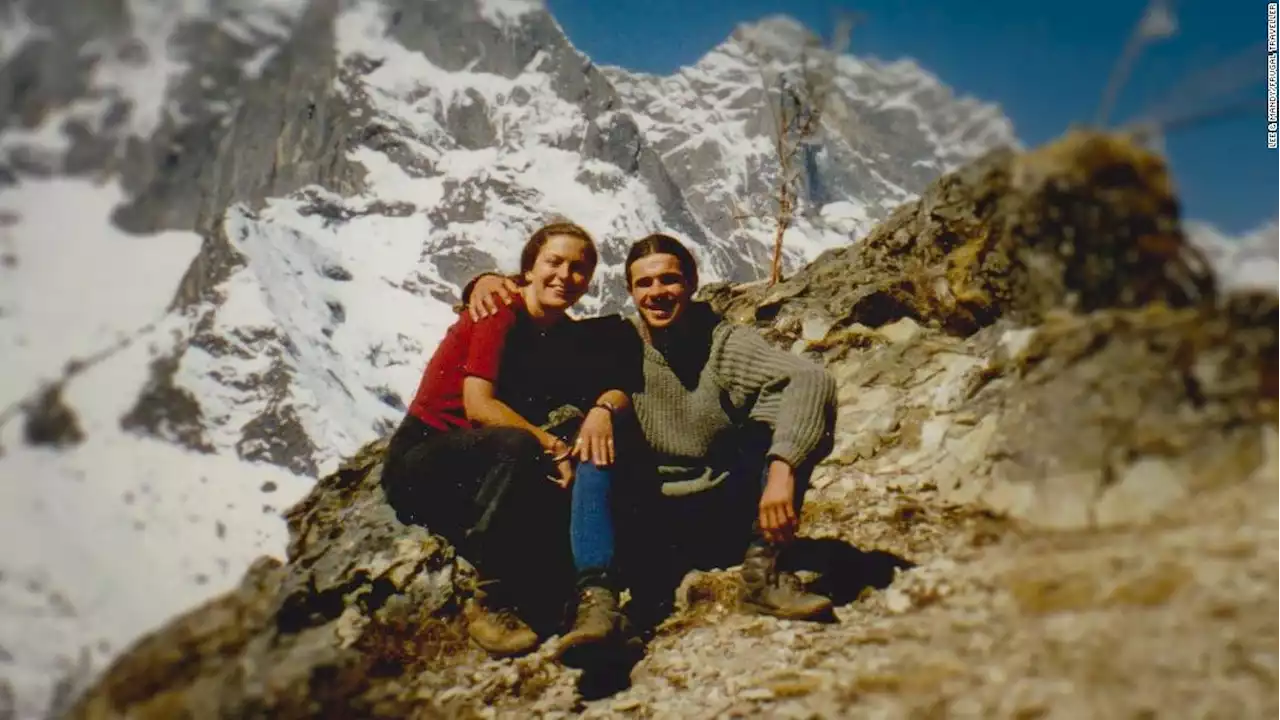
(1148, 487)
(50, 421)
(822, 477)
(896, 601)
(336, 272)
(815, 327)
(1015, 341)
(901, 331)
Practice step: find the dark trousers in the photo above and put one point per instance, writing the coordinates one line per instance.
(486, 491)
(662, 538)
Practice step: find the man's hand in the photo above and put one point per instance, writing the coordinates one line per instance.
(778, 521)
(488, 292)
(595, 438)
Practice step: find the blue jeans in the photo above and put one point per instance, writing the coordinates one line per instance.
(591, 519)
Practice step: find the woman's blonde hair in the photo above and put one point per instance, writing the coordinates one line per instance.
(539, 238)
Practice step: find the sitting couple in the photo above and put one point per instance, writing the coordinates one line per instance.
(567, 459)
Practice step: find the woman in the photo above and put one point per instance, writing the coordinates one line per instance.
(729, 418)
(478, 459)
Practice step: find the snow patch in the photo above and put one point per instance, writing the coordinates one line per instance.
(144, 82)
(349, 341)
(392, 184)
(101, 542)
(846, 216)
(16, 30)
(507, 13)
(75, 284)
(1247, 262)
(1260, 274)
(406, 84)
(781, 33)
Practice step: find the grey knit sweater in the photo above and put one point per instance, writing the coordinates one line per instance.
(691, 429)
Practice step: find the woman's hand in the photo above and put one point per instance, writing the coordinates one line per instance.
(778, 521)
(595, 438)
(564, 473)
(488, 291)
(561, 456)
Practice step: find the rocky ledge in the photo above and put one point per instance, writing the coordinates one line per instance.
(1059, 434)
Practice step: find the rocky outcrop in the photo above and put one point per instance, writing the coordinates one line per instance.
(362, 600)
(1087, 222)
(1083, 422)
(1087, 353)
(1044, 407)
(50, 422)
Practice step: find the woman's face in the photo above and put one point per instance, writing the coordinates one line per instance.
(561, 273)
(659, 289)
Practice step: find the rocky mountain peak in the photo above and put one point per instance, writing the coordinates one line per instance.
(780, 36)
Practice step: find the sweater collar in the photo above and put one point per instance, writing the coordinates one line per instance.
(688, 342)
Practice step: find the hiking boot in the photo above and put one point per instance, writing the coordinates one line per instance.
(597, 621)
(498, 631)
(778, 594)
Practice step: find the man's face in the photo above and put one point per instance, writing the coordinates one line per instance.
(659, 289)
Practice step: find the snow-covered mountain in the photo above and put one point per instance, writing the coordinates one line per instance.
(231, 232)
(888, 130)
(1250, 261)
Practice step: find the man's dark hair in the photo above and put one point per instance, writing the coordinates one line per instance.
(661, 244)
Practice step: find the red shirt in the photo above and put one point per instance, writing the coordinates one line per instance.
(468, 349)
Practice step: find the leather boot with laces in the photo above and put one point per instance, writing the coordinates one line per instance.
(771, 592)
(597, 622)
(497, 630)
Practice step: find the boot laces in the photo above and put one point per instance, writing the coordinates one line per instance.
(592, 602)
(507, 619)
(789, 583)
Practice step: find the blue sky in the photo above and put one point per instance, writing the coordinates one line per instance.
(1045, 63)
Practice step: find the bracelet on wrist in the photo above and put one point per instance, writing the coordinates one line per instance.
(556, 453)
(606, 406)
